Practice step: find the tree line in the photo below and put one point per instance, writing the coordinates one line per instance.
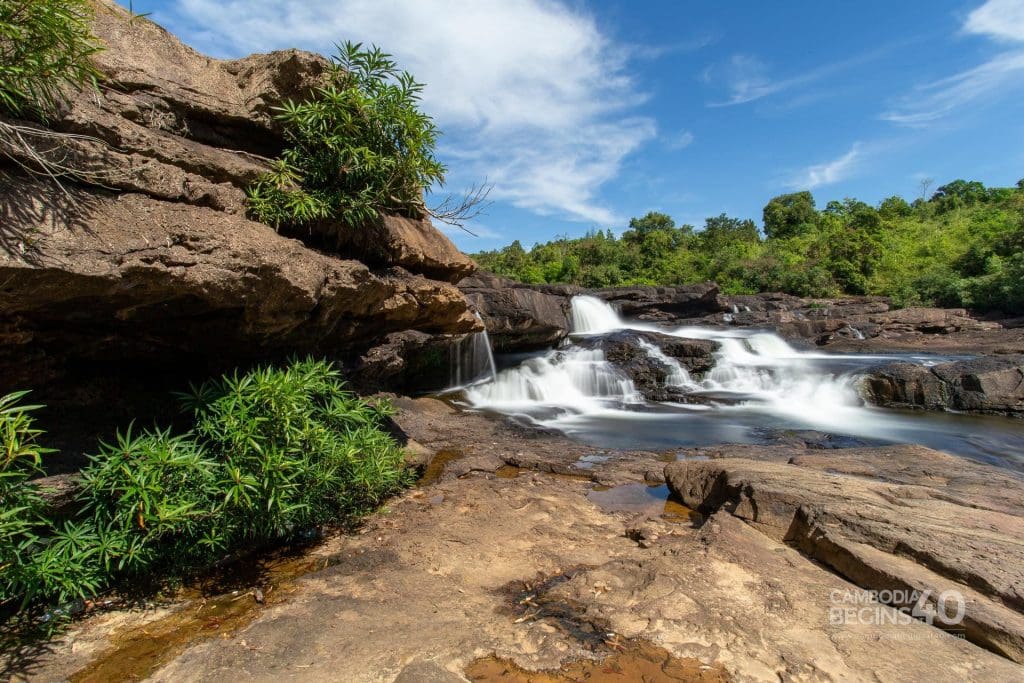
(962, 246)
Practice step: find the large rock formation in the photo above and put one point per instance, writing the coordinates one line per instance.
(985, 385)
(155, 263)
(517, 316)
(898, 519)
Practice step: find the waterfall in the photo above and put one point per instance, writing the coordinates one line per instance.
(472, 358)
(591, 315)
(678, 377)
(577, 379)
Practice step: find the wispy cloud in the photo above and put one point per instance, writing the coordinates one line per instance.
(680, 140)
(747, 78)
(533, 96)
(999, 20)
(829, 172)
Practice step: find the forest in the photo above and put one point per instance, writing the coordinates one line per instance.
(961, 246)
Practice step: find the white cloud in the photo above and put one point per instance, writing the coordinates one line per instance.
(933, 101)
(532, 94)
(829, 172)
(746, 77)
(999, 19)
(680, 140)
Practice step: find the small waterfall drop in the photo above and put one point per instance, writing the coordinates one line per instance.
(678, 377)
(576, 380)
(591, 315)
(472, 358)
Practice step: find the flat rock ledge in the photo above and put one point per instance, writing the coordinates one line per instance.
(896, 518)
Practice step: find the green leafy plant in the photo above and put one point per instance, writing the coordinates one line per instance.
(275, 451)
(38, 560)
(360, 146)
(45, 48)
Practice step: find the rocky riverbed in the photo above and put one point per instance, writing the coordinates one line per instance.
(524, 551)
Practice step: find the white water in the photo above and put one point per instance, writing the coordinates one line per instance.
(590, 315)
(758, 382)
(472, 358)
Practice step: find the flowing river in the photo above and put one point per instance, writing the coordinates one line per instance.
(759, 390)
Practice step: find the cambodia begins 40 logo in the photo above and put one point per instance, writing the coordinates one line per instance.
(897, 606)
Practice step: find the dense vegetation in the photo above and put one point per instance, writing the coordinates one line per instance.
(964, 246)
(360, 146)
(273, 453)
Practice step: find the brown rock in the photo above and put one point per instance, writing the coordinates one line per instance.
(517, 316)
(905, 530)
(984, 385)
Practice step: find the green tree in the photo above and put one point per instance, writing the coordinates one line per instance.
(789, 214)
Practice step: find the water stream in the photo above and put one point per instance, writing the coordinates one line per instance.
(759, 388)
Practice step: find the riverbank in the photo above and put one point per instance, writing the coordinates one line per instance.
(537, 549)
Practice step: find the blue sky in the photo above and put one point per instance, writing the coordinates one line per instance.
(585, 113)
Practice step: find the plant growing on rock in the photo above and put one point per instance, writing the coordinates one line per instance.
(360, 146)
(45, 48)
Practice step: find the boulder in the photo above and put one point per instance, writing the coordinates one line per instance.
(412, 243)
(900, 518)
(517, 316)
(179, 126)
(992, 384)
(653, 375)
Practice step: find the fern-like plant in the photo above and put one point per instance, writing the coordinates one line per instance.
(45, 48)
(358, 147)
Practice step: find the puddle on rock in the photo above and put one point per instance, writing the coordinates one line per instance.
(508, 472)
(587, 462)
(632, 661)
(641, 498)
(219, 604)
(432, 474)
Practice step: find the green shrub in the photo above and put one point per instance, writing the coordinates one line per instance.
(274, 452)
(45, 47)
(358, 147)
(152, 499)
(38, 561)
(295, 449)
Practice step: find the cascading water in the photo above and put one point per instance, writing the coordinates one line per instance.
(590, 315)
(758, 385)
(472, 358)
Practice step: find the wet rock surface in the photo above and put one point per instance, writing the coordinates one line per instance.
(517, 316)
(536, 551)
(625, 350)
(983, 385)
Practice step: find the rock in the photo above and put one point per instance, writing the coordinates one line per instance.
(118, 277)
(517, 316)
(662, 302)
(407, 362)
(650, 374)
(984, 385)
(412, 243)
(178, 126)
(901, 517)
